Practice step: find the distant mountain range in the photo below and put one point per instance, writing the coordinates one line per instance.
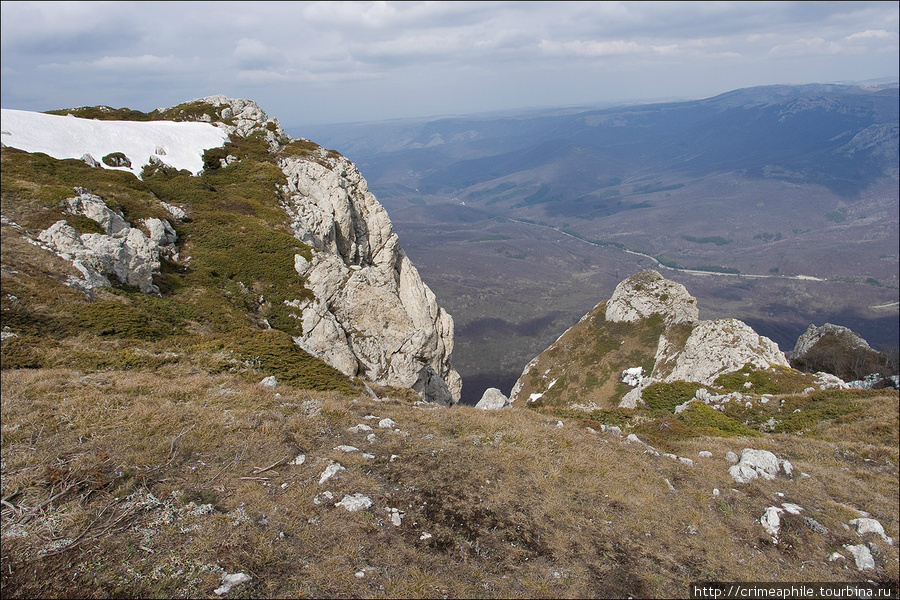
(774, 182)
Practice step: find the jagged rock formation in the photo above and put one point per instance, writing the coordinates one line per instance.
(650, 325)
(123, 251)
(372, 315)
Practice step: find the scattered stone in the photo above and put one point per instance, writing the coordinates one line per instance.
(704, 454)
(229, 580)
(792, 508)
(298, 460)
(396, 516)
(686, 461)
(815, 525)
(771, 521)
(670, 486)
(864, 526)
(269, 381)
(836, 556)
(359, 428)
(425, 536)
(716, 492)
(862, 556)
(387, 424)
(731, 457)
(323, 497)
(755, 463)
(614, 429)
(355, 502)
(330, 472)
(346, 448)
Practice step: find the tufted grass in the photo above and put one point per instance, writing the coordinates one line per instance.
(516, 505)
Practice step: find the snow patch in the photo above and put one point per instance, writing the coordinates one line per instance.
(71, 137)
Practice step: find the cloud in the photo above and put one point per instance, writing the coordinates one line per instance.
(806, 47)
(592, 49)
(252, 54)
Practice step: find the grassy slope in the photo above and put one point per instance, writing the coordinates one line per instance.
(518, 503)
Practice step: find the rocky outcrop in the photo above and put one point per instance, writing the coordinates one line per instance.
(713, 348)
(124, 252)
(372, 315)
(647, 293)
(847, 339)
(648, 320)
(241, 117)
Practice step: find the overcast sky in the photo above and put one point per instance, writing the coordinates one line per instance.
(333, 62)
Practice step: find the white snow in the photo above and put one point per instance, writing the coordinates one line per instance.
(71, 137)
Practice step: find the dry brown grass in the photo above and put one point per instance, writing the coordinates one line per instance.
(516, 505)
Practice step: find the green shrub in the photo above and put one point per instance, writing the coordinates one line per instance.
(706, 420)
(666, 396)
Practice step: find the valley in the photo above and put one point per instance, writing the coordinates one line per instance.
(775, 205)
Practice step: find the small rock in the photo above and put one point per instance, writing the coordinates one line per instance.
(269, 381)
(396, 516)
(686, 461)
(298, 460)
(862, 556)
(771, 521)
(425, 536)
(229, 580)
(387, 424)
(355, 502)
(704, 454)
(323, 498)
(731, 457)
(792, 508)
(716, 492)
(330, 471)
(864, 526)
(836, 556)
(346, 448)
(359, 428)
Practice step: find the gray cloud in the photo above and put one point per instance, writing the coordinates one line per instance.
(346, 61)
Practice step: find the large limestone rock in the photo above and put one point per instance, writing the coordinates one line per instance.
(714, 348)
(123, 252)
(647, 293)
(372, 315)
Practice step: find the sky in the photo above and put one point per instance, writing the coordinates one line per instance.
(309, 63)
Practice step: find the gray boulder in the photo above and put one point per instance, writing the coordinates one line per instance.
(492, 399)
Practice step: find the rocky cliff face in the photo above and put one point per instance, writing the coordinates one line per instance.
(372, 315)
